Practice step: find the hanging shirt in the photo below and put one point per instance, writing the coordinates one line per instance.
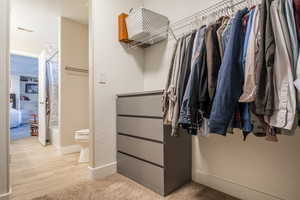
(292, 31)
(230, 80)
(169, 96)
(221, 29)
(244, 111)
(285, 98)
(249, 88)
(248, 23)
(296, 5)
(264, 102)
(293, 20)
(284, 26)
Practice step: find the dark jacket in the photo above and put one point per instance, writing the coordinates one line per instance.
(230, 80)
(264, 103)
(213, 58)
(296, 4)
(186, 67)
(189, 116)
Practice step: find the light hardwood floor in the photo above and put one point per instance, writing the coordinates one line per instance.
(37, 170)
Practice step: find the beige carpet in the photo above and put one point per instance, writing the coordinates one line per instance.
(117, 187)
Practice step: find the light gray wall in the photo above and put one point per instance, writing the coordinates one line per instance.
(255, 167)
(4, 90)
(122, 70)
(73, 87)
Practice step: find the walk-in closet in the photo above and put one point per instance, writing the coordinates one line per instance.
(187, 99)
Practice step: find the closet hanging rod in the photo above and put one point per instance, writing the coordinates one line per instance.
(220, 7)
(76, 69)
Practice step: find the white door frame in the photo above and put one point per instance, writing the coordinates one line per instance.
(4, 99)
(42, 99)
(92, 163)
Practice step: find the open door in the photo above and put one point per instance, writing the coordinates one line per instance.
(42, 99)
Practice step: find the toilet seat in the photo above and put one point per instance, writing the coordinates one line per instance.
(82, 134)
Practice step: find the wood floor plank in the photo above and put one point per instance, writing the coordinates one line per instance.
(37, 170)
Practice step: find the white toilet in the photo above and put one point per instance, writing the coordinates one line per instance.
(82, 138)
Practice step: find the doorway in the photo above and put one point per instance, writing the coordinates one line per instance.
(48, 95)
(23, 106)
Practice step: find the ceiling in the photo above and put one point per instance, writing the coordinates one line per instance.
(42, 16)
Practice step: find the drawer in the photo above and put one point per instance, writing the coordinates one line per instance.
(144, 173)
(143, 149)
(148, 128)
(148, 105)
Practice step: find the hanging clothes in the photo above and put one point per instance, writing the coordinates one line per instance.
(189, 116)
(170, 95)
(225, 36)
(244, 107)
(292, 31)
(249, 87)
(221, 29)
(285, 98)
(239, 72)
(229, 81)
(213, 58)
(296, 5)
(290, 17)
(264, 103)
(182, 79)
(284, 26)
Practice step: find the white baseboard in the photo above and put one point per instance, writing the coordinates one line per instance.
(5, 196)
(69, 149)
(102, 171)
(231, 188)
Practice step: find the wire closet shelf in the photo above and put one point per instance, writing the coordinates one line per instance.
(190, 23)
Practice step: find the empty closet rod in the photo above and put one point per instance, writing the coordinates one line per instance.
(75, 69)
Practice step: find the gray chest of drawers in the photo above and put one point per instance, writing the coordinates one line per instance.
(146, 151)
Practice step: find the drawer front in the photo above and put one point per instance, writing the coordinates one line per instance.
(144, 173)
(149, 106)
(148, 128)
(143, 149)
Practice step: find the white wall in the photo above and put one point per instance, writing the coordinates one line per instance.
(157, 57)
(73, 86)
(123, 71)
(4, 99)
(255, 169)
(43, 20)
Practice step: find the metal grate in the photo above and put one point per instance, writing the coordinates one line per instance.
(143, 23)
(190, 23)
